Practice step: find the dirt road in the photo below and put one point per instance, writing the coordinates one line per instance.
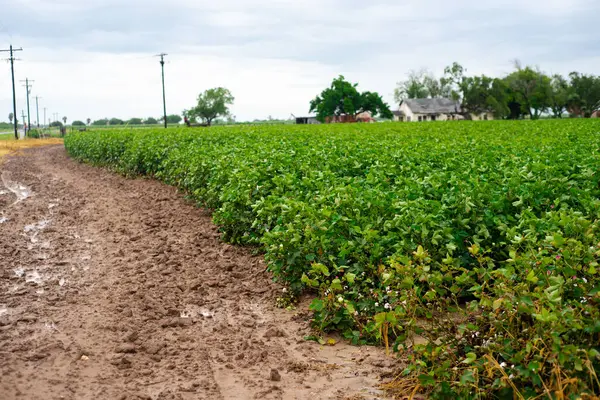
(120, 289)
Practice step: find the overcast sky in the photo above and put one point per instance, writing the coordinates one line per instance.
(94, 58)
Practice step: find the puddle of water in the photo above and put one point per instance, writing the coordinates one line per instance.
(20, 191)
(19, 272)
(3, 220)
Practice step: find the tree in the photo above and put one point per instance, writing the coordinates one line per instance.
(475, 94)
(89, 121)
(116, 121)
(584, 96)
(559, 95)
(174, 119)
(78, 123)
(135, 121)
(100, 122)
(482, 94)
(436, 88)
(56, 124)
(64, 120)
(150, 121)
(414, 87)
(10, 117)
(210, 105)
(342, 98)
(531, 89)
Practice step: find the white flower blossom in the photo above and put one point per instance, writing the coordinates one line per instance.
(584, 280)
(387, 306)
(502, 364)
(340, 299)
(376, 304)
(511, 376)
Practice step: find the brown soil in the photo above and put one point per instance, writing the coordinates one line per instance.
(120, 289)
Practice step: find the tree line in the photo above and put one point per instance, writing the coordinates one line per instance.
(527, 92)
(171, 119)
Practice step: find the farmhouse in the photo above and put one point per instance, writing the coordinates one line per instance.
(437, 109)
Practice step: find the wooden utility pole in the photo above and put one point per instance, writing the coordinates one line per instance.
(11, 58)
(24, 130)
(28, 88)
(37, 111)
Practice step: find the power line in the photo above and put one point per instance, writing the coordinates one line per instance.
(162, 66)
(12, 70)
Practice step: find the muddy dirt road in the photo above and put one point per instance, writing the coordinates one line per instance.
(120, 289)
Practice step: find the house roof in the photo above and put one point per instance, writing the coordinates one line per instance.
(433, 106)
(398, 113)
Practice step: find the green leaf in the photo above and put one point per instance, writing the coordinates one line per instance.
(426, 380)
(467, 377)
(320, 268)
(350, 277)
(531, 277)
(470, 359)
(336, 284)
(350, 308)
(594, 291)
(317, 305)
(380, 318)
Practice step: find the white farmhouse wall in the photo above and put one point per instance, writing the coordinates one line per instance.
(408, 114)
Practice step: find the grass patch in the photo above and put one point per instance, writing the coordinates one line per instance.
(8, 146)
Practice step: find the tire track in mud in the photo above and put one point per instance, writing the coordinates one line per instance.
(119, 289)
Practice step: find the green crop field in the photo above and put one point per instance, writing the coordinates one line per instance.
(471, 248)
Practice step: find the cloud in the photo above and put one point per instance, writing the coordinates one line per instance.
(95, 58)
